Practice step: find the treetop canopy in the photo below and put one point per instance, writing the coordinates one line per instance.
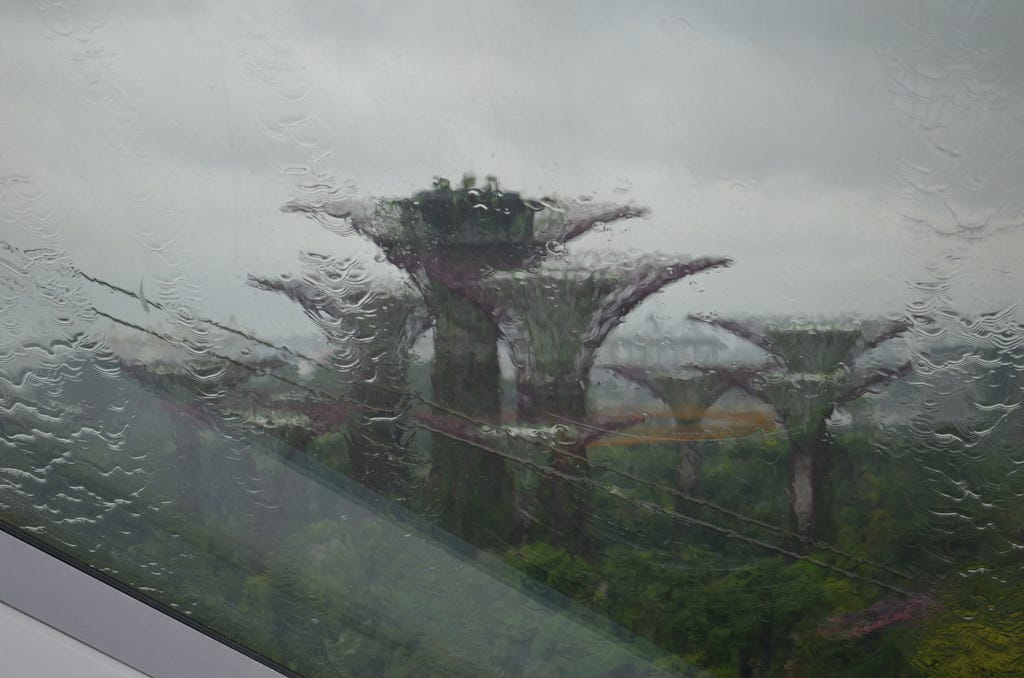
(468, 215)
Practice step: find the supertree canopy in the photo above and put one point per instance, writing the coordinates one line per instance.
(555, 318)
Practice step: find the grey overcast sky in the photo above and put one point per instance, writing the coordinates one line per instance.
(843, 153)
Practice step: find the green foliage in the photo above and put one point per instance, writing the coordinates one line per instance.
(555, 567)
(715, 611)
(959, 643)
(335, 596)
(446, 216)
(881, 654)
(331, 450)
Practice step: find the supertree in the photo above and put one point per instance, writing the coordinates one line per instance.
(688, 392)
(370, 331)
(442, 239)
(812, 369)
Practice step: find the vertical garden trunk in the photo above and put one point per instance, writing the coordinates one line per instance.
(688, 474)
(469, 487)
(688, 469)
(808, 483)
(564, 495)
(803, 493)
(376, 441)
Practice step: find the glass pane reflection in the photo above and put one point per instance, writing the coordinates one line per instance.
(720, 374)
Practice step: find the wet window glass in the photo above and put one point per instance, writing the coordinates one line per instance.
(525, 339)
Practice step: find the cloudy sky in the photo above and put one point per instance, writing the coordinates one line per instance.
(848, 156)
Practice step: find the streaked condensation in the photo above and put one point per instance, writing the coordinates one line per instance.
(509, 339)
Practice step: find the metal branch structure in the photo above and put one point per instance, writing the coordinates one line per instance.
(555, 318)
(811, 371)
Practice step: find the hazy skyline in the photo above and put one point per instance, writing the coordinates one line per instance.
(838, 153)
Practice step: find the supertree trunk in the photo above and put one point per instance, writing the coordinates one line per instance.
(808, 483)
(688, 470)
(564, 496)
(377, 439)
(553, 455)
(469, 489)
